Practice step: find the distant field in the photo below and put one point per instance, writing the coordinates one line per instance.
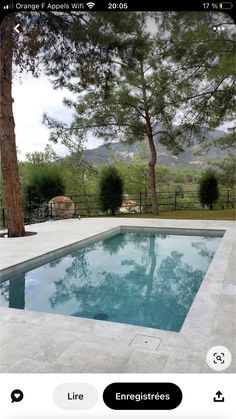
(226, 214)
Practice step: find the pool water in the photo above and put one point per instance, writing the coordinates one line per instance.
(145, 279)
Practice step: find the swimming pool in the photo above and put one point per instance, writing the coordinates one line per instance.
(147, 278)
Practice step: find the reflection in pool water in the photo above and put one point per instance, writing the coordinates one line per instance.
(146, 279)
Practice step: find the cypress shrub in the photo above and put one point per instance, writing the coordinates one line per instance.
(208, 189)
(44, 183)
(110, 189)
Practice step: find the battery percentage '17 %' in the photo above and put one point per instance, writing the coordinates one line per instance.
(210, 6)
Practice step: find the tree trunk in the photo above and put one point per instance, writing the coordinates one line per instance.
(10, 175)
(152, 174)
(150, 275)
(152, 147)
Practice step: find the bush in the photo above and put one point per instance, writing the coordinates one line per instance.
(44, 183)
(110, 189)
(208, 189)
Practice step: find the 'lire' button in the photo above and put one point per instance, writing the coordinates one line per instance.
(75, 396)
(145, 396)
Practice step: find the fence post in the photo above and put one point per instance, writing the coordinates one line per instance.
(175, 200)
(228, 198)
(140, 202)
(3, 218)
(51, 209)
(30, 214)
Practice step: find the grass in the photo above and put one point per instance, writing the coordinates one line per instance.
(225, 214)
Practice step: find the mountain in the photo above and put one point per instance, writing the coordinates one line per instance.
(127, 153)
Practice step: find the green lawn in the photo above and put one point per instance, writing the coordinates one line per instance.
(226, 214)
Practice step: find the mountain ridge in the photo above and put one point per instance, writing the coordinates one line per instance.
(128, 152)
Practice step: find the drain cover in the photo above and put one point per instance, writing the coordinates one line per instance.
(101, 316)
(146, 343)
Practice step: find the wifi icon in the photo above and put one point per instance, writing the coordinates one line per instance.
(90, 5)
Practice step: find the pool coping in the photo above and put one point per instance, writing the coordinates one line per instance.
(200, 328)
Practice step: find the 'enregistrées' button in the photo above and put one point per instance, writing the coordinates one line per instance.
(146, 396)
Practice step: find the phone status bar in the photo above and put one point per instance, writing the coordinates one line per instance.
(130, 5)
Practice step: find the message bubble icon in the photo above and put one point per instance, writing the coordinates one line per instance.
(17, 396)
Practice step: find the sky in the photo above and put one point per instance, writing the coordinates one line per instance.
(32, 98)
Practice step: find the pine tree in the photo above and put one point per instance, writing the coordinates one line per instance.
(158, 88)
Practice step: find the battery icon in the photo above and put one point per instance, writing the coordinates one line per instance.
(226, 6)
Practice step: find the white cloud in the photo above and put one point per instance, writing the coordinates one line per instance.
(33, 97)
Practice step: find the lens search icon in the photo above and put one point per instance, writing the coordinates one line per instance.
(218, 358)
(17, 396)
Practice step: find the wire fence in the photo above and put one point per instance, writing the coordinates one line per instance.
(133, 203)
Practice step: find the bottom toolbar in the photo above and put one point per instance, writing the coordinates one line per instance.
(180, 396)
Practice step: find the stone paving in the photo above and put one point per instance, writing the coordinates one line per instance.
(39, 342)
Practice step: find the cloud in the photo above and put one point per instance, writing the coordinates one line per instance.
(32, 98)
